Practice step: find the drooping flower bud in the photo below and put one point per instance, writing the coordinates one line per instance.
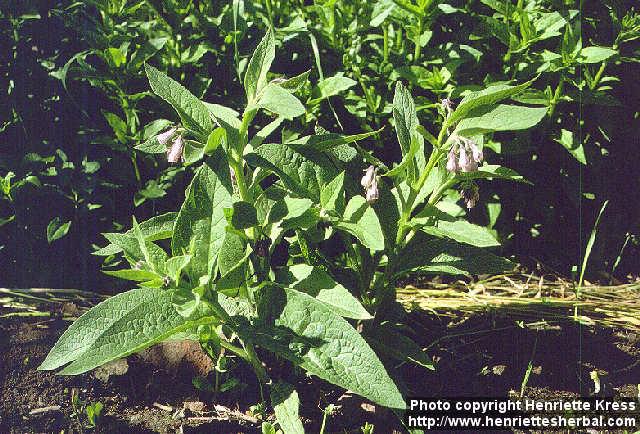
(165, 137)
(476, 152)
(174, 154)
(466, 164)
(369, 176)
(470, 195)
(372, 194)
(370, 183)
(452, 160)
(447, 105)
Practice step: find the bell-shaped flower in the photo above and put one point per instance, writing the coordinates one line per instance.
(466, 164)
(452, 160)
(165, 137)
(369, 176)
(174, 154)
(476, 152)
(372, 193)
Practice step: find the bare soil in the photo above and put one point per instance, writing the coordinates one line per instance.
(484, 356)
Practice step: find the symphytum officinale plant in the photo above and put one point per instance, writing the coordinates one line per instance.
(349, 225)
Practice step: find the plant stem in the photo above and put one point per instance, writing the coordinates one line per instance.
(385, 46)
(556, 96)
(416, 51)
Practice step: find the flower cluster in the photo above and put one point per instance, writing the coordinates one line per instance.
(464, 155)
(470, 194)
(174, 152)
(370, 184)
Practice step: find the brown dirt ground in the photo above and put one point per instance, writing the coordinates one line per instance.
(484, 356)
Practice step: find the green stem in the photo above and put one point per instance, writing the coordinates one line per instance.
(417, 48)
(385, 46)
(598, 77)
(556, 97)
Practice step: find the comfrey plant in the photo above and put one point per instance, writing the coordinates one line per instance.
(348, 225)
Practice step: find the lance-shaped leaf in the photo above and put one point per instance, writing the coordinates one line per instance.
(156, 228)
(308, 332)
(285, 401)
(200, 226)
(192, 111)
(319, 284)
(304, 172)
(327, 141)
(411, 142)
(502, 117)
(486, 97)
(463, 232)
(115, 328)
(449, 257)
(279, 101)
(256, 76)
(361, 221)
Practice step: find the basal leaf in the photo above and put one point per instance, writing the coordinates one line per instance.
(449, 257)
(115, 328)
(285, 401)
(308, 332)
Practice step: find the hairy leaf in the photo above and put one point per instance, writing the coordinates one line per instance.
(192, 111)
(200, 225)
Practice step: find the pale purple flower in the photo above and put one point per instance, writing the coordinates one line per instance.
(372, 194)
(447, 105)
(475, 151)
(165, 137)
(174, 154)
(466, 164)
(370, 183)
(369, 176)
(452, 161)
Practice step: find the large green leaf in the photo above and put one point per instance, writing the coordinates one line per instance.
(489, 96)
(449, 257)
(361, 221)
(200, 226)
(279, 101)
(115, 328)
(331, 86)
(302, 171)
(405, 117)
(256, 76)
(463, 232)
(140, 252)
(327, 141)
(411, 142)
(502, 117)
(192, 111)
(312, 335)
(319, 284)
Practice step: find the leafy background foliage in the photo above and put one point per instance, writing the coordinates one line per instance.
(77, 103)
